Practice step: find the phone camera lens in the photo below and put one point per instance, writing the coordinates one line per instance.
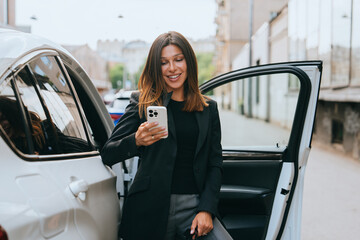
(156, 113)
(150, 111)
(151, 115)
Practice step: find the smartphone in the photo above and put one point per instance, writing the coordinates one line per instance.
(188, 235)
(158, 114)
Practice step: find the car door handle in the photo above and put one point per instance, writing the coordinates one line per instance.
(79, 188)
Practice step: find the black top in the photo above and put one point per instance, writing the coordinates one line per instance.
(187, 131)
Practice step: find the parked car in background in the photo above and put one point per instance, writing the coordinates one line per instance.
(109, 97)
(117, 107)
(53, 124)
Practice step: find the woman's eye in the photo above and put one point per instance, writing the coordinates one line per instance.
(179, 59)
(163, 63)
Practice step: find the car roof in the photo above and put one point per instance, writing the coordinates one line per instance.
(15, 44)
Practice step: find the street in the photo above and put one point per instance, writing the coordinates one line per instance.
(250, 131)
(331, 204)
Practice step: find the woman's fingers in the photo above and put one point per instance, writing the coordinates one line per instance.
(153, 129)
(148, 133)
(203, 223)
(148, 126)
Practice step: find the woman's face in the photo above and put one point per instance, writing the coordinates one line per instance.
(173, 68)
(5, 124)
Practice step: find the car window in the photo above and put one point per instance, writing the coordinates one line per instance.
(246, 119)
(57, 96)
(12, 119)
(93, 116)
(47, 97)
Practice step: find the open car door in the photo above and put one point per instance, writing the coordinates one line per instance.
(267, 115)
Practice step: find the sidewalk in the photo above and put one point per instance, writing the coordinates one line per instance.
(331, 204)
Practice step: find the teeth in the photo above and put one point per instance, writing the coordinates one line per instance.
(174, 76)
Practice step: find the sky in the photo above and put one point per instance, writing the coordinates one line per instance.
(74, 22)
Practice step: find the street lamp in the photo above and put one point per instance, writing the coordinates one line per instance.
(120, 16)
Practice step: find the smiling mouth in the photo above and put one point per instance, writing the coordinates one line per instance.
(174, 76)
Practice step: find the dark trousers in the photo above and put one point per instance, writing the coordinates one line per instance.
(182, 213)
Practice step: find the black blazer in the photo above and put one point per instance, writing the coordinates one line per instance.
(146, 207)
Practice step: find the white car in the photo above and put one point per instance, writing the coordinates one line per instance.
(53, 124)
(117, 107)
(55, 186)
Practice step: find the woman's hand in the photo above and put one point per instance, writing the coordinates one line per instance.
(148, 133)
(204, 224)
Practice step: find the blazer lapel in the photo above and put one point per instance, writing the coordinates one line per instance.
(166, 98)
(171, 122)
(202, 119)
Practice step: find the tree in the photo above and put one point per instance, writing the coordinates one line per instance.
(137, 75)
(117, 76)
(205, 66)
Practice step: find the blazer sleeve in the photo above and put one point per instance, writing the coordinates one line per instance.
(210, 195)
(122, 145)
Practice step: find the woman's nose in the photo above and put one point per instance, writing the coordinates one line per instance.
(172, 67)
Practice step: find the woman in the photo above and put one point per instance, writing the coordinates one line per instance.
(11, 122)
(176, 189)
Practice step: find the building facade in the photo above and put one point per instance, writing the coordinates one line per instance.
(131, 54)
(205, 45)
(330, 31)
(259, 97)
(233, 26)
(135, 53)
(95, 66)
(232, 36)
(310, 30)
(112, 51)
(7, 13)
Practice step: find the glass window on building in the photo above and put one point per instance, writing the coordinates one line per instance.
(341, 32)
(325, 42)
(355, 48)
(312, 36)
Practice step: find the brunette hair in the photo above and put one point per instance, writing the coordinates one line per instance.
(151, 83)
(10, 112)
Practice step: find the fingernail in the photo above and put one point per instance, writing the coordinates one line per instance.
(192, 231)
